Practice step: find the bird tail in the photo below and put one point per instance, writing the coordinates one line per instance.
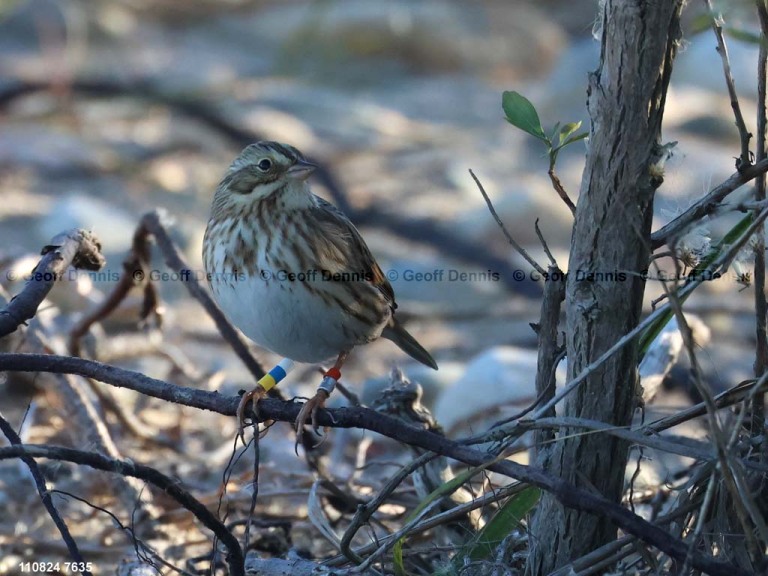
(407, 343)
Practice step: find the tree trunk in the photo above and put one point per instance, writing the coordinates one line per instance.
(611, 239)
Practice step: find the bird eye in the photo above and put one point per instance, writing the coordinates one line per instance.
(265, 164)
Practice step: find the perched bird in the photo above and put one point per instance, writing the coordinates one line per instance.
(293, 273)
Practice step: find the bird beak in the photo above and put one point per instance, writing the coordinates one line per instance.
(301, 170)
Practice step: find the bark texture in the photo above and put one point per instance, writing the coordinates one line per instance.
(611, 236)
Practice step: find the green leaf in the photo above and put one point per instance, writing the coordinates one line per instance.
(554, 151)
(522, 114)
(743, 35)
(443, 490)
(484, 544)
(554, 131)
(647, 337)
(701, 23)
(567, 130)
(397, 554)
(576, 138)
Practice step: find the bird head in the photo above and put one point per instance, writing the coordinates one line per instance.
(266, 169)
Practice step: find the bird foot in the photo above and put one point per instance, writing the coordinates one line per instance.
(309, 411)
(310, 408)
(254, 396)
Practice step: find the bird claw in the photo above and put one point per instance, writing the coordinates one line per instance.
(254, 396)
(309, 412)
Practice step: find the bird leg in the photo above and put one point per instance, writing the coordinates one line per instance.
(311, 406)
(265, 383)
(254, 396)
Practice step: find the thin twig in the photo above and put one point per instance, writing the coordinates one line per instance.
(749, 205)
(544, 244)
(743, 503)
(388, 543)
(731, 397)
(168, 485)
(255, 488)
(683, 447)
(365, 511)
(357, 417)
(442, 518)
(136, 271)
(708, 204)
(744, 135)
(507, 235)
(141, 548)
(45, 497)
(544, 396)
(558, 186)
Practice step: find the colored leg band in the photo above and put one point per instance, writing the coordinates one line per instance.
(276, 375)
(268, 382)
(328, 384)
(334, 373)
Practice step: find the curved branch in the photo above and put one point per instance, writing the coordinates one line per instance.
(152, 224)
(129, 468)
(135, 273)
(357, 417)
(78, 248)
(45, 496)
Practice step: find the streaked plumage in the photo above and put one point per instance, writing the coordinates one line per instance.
(265, 226)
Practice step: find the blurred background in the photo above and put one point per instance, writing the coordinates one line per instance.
(110, 109)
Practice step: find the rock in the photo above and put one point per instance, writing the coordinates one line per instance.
(495, 384)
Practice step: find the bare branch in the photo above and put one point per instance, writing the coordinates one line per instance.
(357, 417)
(549, 353)
(558, 186)
(507, 235)
(744, 134)
(78, 248)
(45, 496)
(165, 483)
(708, 204)
(544, 244)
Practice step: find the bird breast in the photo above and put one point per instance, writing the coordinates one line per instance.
(277, 297)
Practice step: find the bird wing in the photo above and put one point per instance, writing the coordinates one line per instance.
(343, 246)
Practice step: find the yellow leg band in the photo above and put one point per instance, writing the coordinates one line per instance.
(275, 375)
(268, 382)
